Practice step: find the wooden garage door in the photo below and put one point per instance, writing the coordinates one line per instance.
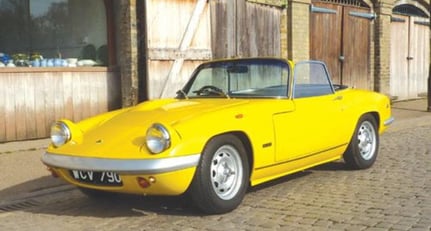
(243, 28)
(179, 39)
(339, 36)
(409, 56)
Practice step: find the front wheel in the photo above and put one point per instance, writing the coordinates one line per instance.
(222, 176)
(364, 145)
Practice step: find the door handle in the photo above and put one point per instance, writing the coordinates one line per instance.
(409, 58)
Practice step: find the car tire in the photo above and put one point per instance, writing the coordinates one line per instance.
(364, 145)
(222, 176)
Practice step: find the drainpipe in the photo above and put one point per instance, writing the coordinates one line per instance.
(429, 84)
(429, 74)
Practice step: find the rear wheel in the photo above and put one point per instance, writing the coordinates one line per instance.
(222, 176)
(364, 145)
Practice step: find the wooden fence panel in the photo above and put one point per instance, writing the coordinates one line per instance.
(31, 100)
(244, 29)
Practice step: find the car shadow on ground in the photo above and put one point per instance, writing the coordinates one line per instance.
(48, 195)
(333, 166)
(59, 198)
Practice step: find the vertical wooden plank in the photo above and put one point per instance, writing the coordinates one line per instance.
(399, 52)
(29, 94)
(242, 36)
(68, 95)
(94, 88)
(58, 100)
(10, 108)
(3, 86)
(39, 104)
(218, 28)
(85, 95)
(356, 42)
(77, 97)
(103, 93)
(20, 104)
(49, 96)
(223, 28)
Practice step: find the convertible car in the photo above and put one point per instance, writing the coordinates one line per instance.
(236, 123)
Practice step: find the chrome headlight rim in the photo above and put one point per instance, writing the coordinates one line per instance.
(60, 134)
(158, 138)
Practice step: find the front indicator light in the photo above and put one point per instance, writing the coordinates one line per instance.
(145, 183)
(158, 139)
(60, 134)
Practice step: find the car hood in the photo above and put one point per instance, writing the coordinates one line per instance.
(170, 112)
(123, 135)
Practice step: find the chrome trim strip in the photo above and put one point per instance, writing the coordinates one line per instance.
(389, 121)
(132, 166)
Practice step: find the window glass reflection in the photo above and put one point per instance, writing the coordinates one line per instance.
(70, 32)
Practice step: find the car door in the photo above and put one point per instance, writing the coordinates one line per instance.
(311, 128)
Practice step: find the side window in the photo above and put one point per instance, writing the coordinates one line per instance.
(311, 79)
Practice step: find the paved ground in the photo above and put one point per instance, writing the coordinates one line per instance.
(395, 194)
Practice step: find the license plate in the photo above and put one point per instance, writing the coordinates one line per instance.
(97, 178)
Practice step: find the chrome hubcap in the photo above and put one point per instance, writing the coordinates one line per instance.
(367, 140)
(226, 172)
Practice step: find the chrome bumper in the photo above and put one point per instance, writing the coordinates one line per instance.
(125, 166)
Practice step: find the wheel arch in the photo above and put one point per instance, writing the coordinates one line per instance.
(245, 140)
(376, 116)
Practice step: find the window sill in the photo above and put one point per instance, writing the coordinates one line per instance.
(55, 69)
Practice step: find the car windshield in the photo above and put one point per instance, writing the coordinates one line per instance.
(244, 78)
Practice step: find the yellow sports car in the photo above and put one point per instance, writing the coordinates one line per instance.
(236, 123)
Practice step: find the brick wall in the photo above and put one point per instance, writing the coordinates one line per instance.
(298, 32)
(382, 42)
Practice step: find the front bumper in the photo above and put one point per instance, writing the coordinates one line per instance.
(121, 166)
(173, 175)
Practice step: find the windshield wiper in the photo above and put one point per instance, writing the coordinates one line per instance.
(211, 90)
